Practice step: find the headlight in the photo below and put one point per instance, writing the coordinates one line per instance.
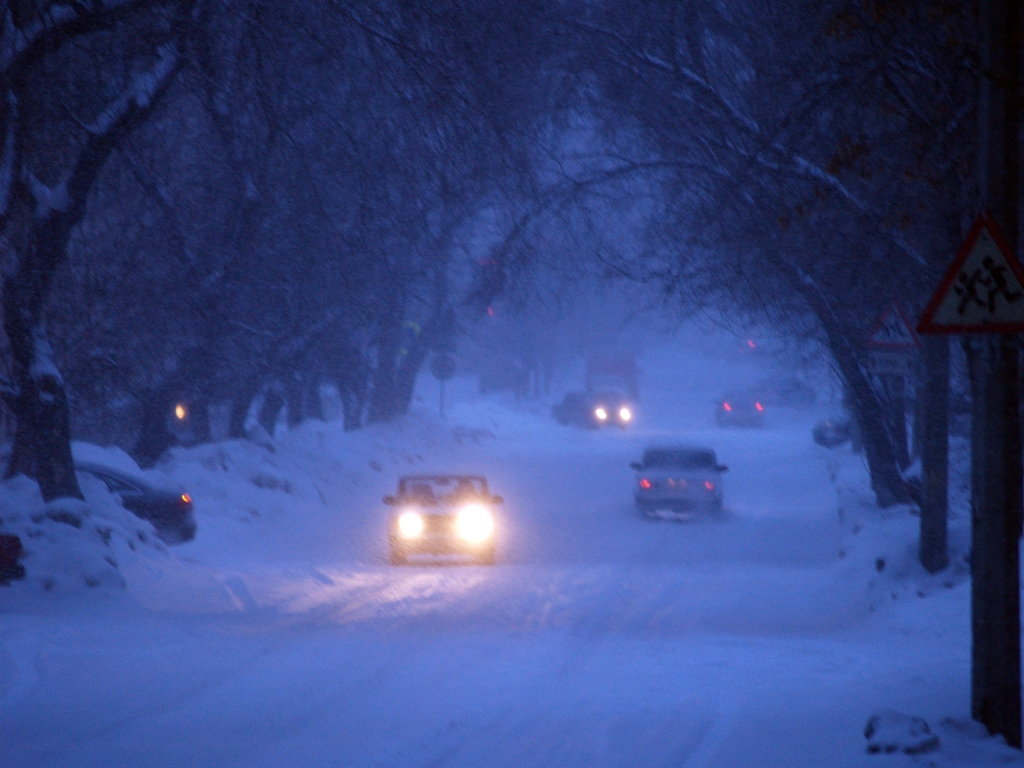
(410, 524)
(474, 523)
(601, 414)
(625, 414)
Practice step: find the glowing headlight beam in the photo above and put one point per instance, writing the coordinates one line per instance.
(601, 414)
(625, 414)
(410, 524)
(474, 523)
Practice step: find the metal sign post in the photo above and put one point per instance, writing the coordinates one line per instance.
(443, 367)
(982, 293)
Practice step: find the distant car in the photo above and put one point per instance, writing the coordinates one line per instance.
(740, 409)
(442, 515)
(170, 511)
(682, 480)
(831, 433)
(595, 409)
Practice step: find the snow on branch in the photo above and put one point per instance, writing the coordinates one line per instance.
(142, 90)
(47, 198)
(15, 41)
(43, 365)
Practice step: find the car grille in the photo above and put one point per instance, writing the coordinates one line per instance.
(438, 524)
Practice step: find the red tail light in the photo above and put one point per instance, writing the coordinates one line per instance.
(709, 485)
(186, 498)
(645, 483)
(727, 406)
(759, 406)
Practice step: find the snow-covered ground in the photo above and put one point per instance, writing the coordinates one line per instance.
(282, 636)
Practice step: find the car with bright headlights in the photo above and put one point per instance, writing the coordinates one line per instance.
(594, 409)
(611, 408)
(442, 515)
(678, 481)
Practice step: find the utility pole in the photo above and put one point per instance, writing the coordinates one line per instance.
(996, 449)
(982, 295)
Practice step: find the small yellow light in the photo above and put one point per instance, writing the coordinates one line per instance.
(410, 525)
(601, 414)
(186, 498)
(180, 412)
(625, 414)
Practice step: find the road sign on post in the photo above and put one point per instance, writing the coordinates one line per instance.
(442, 365)
(983, 293)
(892, 350)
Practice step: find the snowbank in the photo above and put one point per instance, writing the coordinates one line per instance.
(72, 546)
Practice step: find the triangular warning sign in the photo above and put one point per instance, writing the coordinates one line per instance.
(983, 291)
(893, 331)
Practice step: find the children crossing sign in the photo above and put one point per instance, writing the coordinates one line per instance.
(983, 290)
(892, 342)
(893, 331)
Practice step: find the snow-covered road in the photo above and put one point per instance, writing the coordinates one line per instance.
(599, 639)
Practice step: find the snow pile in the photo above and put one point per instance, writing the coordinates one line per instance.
(889, 732)
(72, 546)
(879, 547)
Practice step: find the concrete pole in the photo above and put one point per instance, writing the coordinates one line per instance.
(995, 433)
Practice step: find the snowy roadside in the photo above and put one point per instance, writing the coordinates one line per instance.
(293, 537)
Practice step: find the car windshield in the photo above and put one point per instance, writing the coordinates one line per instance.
(675, 458)
(607, 395)
(435, 488)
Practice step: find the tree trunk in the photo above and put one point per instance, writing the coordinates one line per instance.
(383, 402)
(42, 442)
(154, 437)
(878, 442)
(43, 438)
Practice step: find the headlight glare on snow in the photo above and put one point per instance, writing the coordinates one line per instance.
(410, 524)
(601, 413)
(474, 523)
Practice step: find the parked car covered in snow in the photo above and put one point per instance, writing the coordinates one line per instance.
(169, 510)
(679, 480)
(442, 515)
(833, 432)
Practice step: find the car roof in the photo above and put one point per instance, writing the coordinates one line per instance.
(132, 479)
(428, 478)
(679, 447)
(690, 451)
